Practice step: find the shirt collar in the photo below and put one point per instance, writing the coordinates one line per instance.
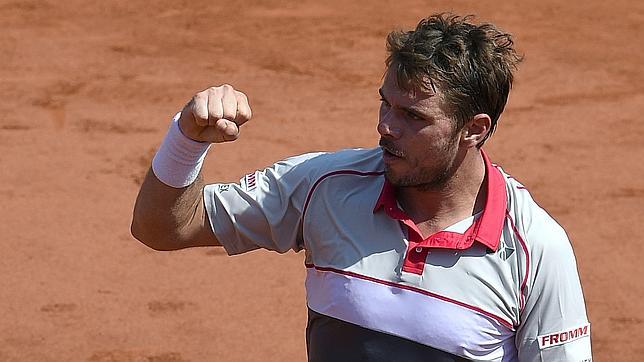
(485, 229)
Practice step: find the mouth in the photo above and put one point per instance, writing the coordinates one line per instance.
(389, 149)
(389, 152)
(392, 152)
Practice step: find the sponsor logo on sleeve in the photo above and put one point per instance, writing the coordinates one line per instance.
(567, 336)
(251, 181)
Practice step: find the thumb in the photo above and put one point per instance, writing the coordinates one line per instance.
(229, 130)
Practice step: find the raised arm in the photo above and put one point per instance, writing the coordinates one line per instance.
(169, 213)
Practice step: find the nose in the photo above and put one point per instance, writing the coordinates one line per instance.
(387, 125)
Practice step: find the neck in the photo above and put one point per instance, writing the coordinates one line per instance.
(462, 195)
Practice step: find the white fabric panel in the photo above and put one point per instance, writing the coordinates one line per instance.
(410, 314)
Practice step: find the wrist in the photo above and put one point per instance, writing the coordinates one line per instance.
(178, 161)
(187, 127)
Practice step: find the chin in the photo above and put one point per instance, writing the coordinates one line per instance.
(396, 178)
(423, 181)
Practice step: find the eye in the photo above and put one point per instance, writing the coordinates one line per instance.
(414, 116)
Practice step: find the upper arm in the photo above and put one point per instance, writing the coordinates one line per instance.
(199, 231)
(263, 210)
(554, 325)
(167, 218)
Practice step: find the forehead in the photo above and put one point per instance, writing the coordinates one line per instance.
(413, 96)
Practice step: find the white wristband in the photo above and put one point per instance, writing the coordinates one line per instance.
(178, 161)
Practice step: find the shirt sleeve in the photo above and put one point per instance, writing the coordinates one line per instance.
(263, 210)
(554, 325)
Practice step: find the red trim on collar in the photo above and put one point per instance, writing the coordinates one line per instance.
(486, 229)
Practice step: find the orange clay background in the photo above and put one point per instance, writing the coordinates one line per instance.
(86, 93)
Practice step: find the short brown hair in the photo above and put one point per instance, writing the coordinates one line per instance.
(471, 64)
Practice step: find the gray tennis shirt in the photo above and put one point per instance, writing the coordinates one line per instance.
(498, 286)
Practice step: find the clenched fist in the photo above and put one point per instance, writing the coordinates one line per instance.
(215, 115)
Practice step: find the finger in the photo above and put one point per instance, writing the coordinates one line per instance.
(243, 109)
(229, 102)
(228, 129)
(199, 105)
(215, 108)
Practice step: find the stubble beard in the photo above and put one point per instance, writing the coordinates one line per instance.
(427, 178)
(423, 179)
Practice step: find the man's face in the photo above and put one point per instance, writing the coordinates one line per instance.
(419, 142)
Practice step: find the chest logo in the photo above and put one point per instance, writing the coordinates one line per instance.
(505, 251)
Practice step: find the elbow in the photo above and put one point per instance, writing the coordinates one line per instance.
(150, 238)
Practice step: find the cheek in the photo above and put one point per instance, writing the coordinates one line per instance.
(432, 150)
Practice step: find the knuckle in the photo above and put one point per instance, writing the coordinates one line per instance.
(199, 97)
(229, 114)
(216, 114)
(244, 114)
(214, 91)
(242, 97)
(195, 107)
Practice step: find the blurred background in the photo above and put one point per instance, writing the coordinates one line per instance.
(87, 89)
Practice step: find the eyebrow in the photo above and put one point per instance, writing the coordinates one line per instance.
(406, 109)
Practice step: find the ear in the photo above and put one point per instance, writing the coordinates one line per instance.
(476, 129)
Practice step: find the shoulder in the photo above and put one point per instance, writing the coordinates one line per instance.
(538, 229)
(318, 164)
(300, 173)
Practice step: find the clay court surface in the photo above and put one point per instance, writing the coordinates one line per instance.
(86, 93)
